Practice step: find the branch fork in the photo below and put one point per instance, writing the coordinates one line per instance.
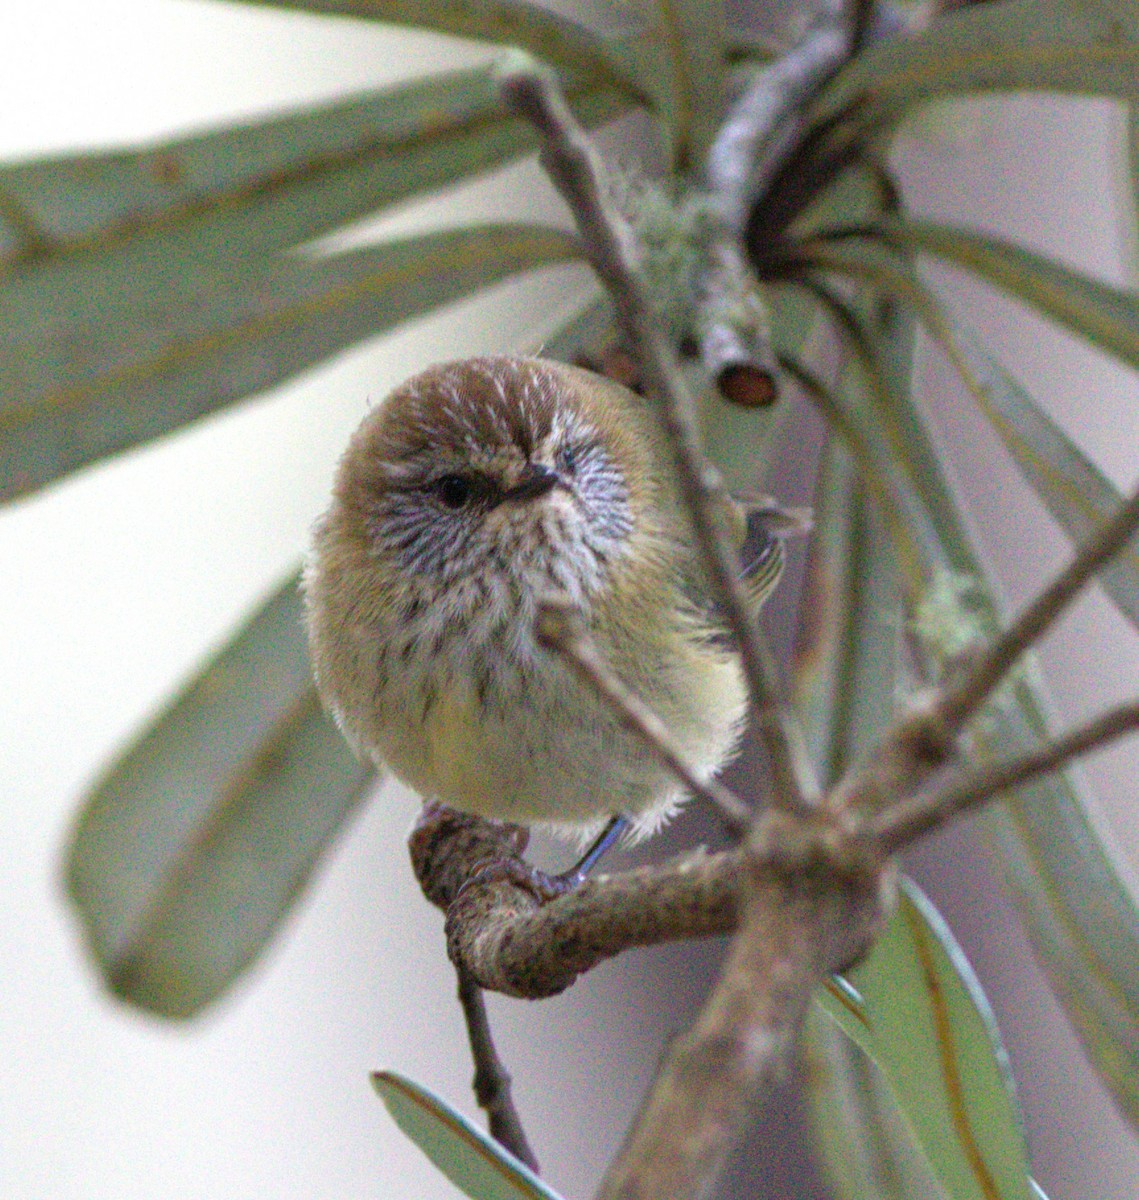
(810, 883)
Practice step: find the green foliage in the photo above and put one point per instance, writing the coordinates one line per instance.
(472, 1161)
(143, 289)
(916, 1009)
(194, 844)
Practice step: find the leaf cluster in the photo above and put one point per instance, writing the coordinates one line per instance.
(142, 290)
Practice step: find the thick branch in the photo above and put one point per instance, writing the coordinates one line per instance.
(512, 944)
(766, 122)
(734, 328)
(573, 165)
(796, 928)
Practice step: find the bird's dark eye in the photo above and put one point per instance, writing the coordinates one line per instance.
(454, 490)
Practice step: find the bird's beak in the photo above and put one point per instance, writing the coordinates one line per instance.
(534, 481)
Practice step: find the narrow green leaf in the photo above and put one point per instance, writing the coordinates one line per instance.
(1073, 489)
(1078, 912)
(1019, 45)
(853, 624)
(940, 1046)
(561, 41)
(470, 1159)
(81, 384)
(680, 53)
(867, 1147)
(192, 847)
(822, 669)
(102, 221)
(1105, 315)
(874, 638)
(916, 1008)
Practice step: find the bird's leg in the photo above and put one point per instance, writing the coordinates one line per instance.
(575, 876)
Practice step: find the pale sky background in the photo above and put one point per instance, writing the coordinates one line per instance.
(120, 579)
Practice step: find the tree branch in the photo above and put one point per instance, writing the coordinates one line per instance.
(766, 122)
(966, 695)
(573, 165)
(560, 630)
(795, 928)
(909, 819)
(508, 940)
(492, 1080)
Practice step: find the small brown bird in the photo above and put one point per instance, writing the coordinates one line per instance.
(472, 492)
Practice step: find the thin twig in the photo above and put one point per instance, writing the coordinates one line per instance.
(908, 820)
(925, 739)
(966, 694)
(492, 1080)
(559, 630)
(573, 165)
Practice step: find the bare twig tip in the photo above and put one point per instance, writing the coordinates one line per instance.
(523, 83)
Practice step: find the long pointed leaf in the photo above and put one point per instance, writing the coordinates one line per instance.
(472, 1161)
(1073, 489)
(1081, 917)
(925, 1021)
(1019, 45)
(190, 850)
(823, 667)
(562, 42)
(867, 1147)
(940, 1044)
(680, 53)
(1107, 316)
(96, 221)
(78, 385)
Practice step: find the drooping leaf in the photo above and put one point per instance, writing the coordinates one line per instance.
(1080, 915)
(470, 1159)
(1078, 911)
(1015, 46)
(867, 1147)
(79, 384)
(933, 1027)
(679, 51)
(856, 412)
(923, 1019)
(193, 846)
(102, 222)
(874, 633)
(823, 667)
(1073, 489)
(562, 42)
(1107, 316)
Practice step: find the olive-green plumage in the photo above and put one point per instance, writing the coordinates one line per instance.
(473, 491)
